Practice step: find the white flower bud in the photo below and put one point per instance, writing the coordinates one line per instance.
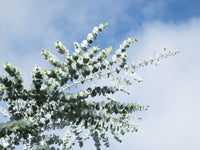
(114, 58)
(101, 26)
(95, 30)
(90, 36)
(84, 44)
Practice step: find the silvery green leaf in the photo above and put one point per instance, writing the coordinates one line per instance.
(61, 48)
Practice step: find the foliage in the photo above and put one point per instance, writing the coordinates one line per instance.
(49, 104)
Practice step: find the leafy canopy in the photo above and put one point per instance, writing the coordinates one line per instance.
(49, 104)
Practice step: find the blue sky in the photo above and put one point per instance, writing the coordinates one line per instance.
(171, 89)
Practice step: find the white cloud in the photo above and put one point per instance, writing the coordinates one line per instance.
(172, 89)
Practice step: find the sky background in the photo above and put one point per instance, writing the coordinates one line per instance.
(171, 89)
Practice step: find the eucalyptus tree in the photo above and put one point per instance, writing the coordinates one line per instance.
(49, 104)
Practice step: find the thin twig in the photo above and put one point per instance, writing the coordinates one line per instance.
(93, 77)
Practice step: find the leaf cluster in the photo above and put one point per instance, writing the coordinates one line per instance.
(49, 104)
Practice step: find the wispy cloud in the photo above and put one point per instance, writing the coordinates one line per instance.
(172, 122)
